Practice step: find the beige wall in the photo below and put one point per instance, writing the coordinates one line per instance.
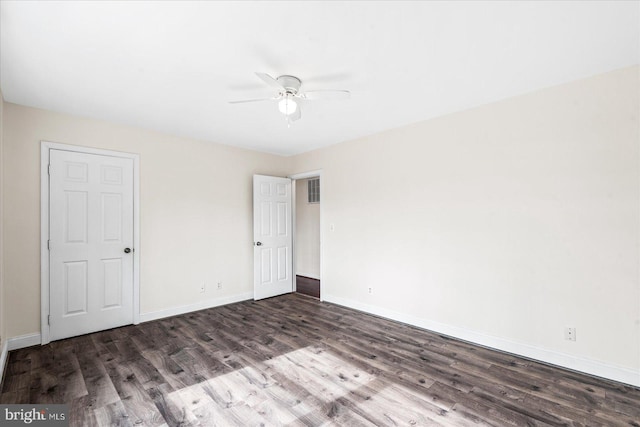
(2, 300)
(196, 223)
(307, 233)
(502, 224)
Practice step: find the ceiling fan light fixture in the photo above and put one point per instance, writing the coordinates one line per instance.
(287, 105)
(289, 95)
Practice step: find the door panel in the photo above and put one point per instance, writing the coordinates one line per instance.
(112, 283)
(111, 218)
(272, 236)
(75, 288)
(283, 263)
(76, 216)
(90, 225)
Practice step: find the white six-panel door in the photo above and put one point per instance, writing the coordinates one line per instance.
(91, 243)
(272, 236)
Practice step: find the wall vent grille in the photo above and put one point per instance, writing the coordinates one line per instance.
(313, 190)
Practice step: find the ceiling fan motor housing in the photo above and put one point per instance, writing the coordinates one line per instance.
(290, 83)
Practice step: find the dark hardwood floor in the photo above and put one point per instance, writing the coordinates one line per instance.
(295, 361)
(308, 286)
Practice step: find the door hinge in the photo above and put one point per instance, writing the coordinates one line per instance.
(49, 320)
(49, 245)
(49, 169)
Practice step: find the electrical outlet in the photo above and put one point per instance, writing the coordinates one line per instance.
(219, 285)
(203, 287)
(570, 333)
(370, 290)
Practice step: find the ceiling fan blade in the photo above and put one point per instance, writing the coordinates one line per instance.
(251, 100)
(270, 80)
(326, 94)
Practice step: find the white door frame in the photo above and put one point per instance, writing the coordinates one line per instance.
(294, 178)
(45, 147)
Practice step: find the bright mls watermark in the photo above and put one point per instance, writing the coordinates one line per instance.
(36, 415)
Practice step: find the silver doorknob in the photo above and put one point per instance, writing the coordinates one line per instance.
(258, 243)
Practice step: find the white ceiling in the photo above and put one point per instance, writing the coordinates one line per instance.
(172, 66)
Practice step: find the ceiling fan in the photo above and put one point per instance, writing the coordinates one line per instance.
(290, 96)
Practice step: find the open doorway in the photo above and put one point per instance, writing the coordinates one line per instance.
(307, 235)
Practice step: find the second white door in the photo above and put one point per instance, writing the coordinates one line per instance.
(91, 243)
(272, 236)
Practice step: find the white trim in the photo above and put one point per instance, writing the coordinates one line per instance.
(305, 175)
(44, 237)
(45, 147)
(136, 239)
(3, 359)
(16, 343)
(581, 364)
(202, 305)
(322, 204)
(23, 341)
(294, 227)
(294, 178)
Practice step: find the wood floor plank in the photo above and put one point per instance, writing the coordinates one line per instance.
(171, 371)
(171, 407)
(113, 414)
(97, 381)
(81, 412)
(295, 361)
(12, 397)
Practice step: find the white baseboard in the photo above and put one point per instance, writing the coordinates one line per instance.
(588, 366)
(16, 343)
(201, 305)
(23, 341)
(3, 359)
